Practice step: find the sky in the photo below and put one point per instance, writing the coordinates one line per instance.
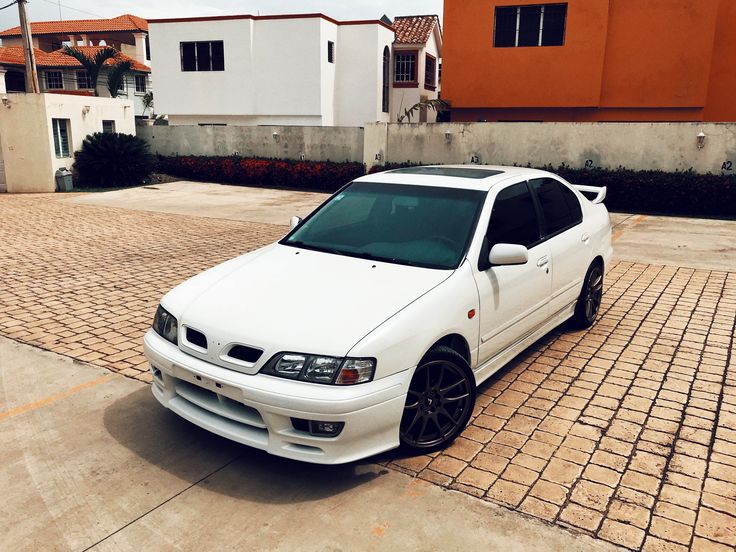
(48, 10)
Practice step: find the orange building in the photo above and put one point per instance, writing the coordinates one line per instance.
(590, 60)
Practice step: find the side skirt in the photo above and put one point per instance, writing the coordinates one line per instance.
(495, 363)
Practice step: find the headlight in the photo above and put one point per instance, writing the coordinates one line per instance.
(321, 369)
(165, 325)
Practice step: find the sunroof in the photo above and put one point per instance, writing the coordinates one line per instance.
(457, 172)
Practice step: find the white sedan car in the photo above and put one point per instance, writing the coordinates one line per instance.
(370, 325)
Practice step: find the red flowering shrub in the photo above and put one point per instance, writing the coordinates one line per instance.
(268, 173)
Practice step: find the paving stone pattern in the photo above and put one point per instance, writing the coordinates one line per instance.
(626, 431)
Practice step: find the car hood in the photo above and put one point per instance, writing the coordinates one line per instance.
(282, 298)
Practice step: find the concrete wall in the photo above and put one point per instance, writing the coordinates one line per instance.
(639, 146)
(27, 135)
(314, 143)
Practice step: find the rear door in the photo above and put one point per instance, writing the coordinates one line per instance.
(513, 299)
(569, 242)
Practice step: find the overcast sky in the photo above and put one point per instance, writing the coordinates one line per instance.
(48, 10)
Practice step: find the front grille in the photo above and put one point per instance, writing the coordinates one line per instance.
(244, 353)
(197, 338)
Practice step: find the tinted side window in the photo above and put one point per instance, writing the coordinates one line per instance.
(560, 207)
(514, 218)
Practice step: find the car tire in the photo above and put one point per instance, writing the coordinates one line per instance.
(589, 302)
(439, 402)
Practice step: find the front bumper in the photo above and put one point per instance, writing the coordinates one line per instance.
(256, 410)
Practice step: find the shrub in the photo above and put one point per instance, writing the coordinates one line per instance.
(112, 160)
(680, 193)
(683, 193)
(324, 176)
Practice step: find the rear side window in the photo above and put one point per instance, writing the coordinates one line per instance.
(560, 206)
(514, 218)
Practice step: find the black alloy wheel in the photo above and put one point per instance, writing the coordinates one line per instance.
(589, 302)
(439, 402)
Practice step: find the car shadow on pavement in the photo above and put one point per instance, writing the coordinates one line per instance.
(161, 438)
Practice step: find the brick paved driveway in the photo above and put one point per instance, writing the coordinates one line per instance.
(626, 431)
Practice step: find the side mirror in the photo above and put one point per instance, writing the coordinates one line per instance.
(294, 222)
(506, 254)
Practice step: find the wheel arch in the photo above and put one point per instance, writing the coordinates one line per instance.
(453, 341)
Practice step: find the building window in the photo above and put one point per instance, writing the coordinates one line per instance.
(61, 137)
(405, 68)
(430, 72)
(538, 25)
(83, 80)
(330, 51)
(202, 56)
(386, 79)
(108, 127)
(54, 80)
(140, 83)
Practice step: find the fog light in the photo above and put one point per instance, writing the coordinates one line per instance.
(318, 429)
(325, 429)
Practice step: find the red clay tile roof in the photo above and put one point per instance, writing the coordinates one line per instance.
(415, 29)
(122, 23)
(13, 55)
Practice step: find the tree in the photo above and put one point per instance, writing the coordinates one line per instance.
(92, 63)
(437, 105)
(116, 75)
(148, 102)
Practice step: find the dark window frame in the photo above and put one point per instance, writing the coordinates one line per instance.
(62, 141)
(543, 40)
(194, 61)
(414, 83)
(60, 80)
(111, 126)
(82, 78)
(137, 79)
(430, 84)
(330, 51)
(386, 85)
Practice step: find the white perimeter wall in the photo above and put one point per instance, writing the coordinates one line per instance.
(638, 146)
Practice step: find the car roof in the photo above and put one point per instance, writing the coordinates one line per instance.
(471, 177)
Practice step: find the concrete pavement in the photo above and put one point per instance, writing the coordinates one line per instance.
(91, 461)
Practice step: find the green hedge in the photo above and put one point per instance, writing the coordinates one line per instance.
(268, 173)
(683, 193)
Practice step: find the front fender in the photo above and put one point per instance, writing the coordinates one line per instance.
(401, 341)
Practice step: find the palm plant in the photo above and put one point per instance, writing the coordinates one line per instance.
(437, 105)
(148, 102)
(112, 160)
(92, 63)
(115, 76)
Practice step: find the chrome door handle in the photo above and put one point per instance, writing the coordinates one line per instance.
(585, 238)
(544, 261)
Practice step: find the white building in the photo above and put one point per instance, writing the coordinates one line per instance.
(39, 134)
(306, 70)
(417, 53)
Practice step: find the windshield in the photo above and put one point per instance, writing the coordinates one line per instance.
(413, 225)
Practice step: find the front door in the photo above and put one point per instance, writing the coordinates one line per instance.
(513, 299)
